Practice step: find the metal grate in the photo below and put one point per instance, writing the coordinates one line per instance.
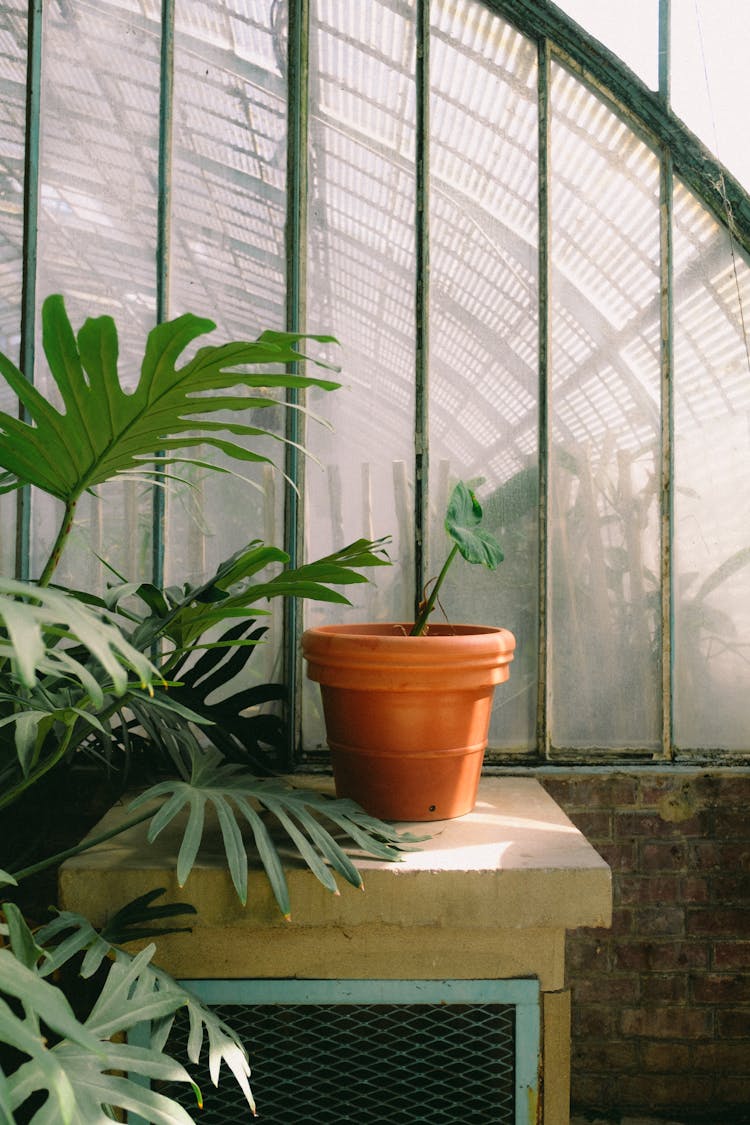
(441, 1052)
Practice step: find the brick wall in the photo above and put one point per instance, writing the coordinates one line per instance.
(661, 1002)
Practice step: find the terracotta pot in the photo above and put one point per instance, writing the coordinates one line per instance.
(407, 717)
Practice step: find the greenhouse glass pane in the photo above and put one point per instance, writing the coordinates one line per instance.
(483, 327)
(604, 427)
(710, 77)
(629, 28)
(97, 231)
(711, 584)
(228, 194)
(361, 288)
(13, 43)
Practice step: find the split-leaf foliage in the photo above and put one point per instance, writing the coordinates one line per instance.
(139, 672)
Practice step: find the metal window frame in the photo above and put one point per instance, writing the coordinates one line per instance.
(648, 112)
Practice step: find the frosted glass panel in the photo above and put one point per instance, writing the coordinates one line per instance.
(361, 284)
(483, 327)
(229, 171)
(97, 230)
(605, 454)
(361, 288)
(712, 484)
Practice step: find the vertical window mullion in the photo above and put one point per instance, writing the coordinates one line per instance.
(30, 240)
(543, 297)
(163, 244)
(667, 404)
(296, 256)
(422, 299)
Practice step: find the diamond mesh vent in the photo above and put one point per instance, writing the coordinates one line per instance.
(367, 1064)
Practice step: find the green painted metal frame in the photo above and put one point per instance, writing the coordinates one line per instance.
(163, 246)
(666, 196)
(30, 242)
(296, 301)
(523, 993)
(422, 302)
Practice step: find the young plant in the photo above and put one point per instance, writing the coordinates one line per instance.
(463, 520)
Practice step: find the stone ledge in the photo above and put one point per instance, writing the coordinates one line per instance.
(498, 886)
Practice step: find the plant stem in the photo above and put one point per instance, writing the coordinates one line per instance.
(83, 846)
(57, 549)
(421, 623)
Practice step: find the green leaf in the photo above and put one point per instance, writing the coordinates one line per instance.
(462, 522)
(228, 790)
(104, 431)
(22, 943)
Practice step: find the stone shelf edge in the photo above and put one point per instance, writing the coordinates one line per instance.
(516, 863)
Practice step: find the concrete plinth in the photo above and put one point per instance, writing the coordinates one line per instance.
(489, 895)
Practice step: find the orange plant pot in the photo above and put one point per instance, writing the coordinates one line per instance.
(406, 717)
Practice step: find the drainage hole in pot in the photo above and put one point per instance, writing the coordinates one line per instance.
(432, 808)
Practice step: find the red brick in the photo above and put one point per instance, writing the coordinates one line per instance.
(646, 825)
(721, 988)
(661, 988)
(731, 889)
(666, 1058)
(657, 956)
(661, 920)
(593, 1022)
(720, 1058)
(591, 955)
(735, 1092)
(633, 889)
(599, 791)
(695, 889)
(721, 921)
(733, 1023)
(734, 791)
(613, 1057)
(620, 857)
(714, 855)
(611, 989)
(664, 856)
(731, 824)
(660, 1091)
(667, 1023)
(731, 954)
(588, 1090)
(622, 922)
(595, 824)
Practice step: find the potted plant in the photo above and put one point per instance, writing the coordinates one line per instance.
(407, 706)
(131, 675)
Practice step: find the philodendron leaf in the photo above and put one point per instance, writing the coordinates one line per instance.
(234, 796)
(462, 522)
(105, 430)
(35, 617)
